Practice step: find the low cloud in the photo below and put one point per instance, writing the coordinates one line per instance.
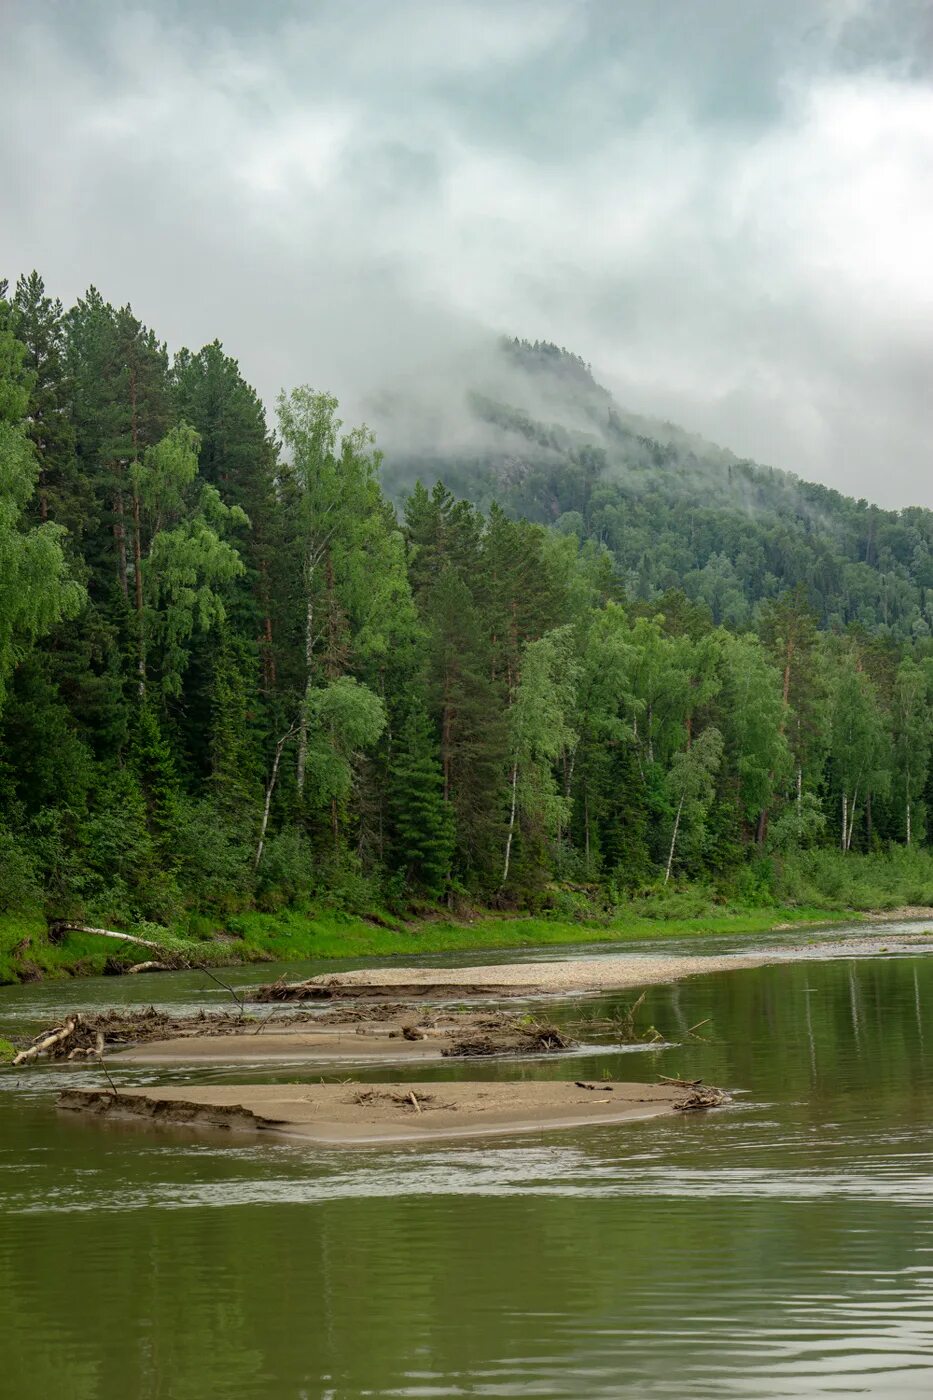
(727, 208)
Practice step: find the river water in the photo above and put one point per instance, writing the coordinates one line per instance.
(782, 1247)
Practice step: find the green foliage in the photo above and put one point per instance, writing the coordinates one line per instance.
(422, 822)
(628, 673)
(19, 887)
(36, 590)
(345, 718)
(188, 564)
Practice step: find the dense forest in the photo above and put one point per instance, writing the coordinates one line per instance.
(578, 659)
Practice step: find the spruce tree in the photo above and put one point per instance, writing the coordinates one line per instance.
(422, 822)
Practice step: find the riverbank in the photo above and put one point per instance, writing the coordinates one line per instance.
(27, 954)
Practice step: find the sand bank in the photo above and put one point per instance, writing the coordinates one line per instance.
(369, 1114)
(609, 972)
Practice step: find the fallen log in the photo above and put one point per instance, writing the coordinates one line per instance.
(59, 927)
(151, 966)
(47, 1042)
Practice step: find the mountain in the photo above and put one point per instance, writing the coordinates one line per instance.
(532, 429)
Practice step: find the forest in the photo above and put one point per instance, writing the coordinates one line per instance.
(571, 666)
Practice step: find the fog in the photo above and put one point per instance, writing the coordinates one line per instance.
(727, 208)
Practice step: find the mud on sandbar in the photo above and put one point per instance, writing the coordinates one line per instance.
(347, 1114)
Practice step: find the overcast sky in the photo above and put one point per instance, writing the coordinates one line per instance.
(725, 205)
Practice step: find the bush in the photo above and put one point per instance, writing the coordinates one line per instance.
(286, 871)
(881, 880)
(214, 857)
(19, 886)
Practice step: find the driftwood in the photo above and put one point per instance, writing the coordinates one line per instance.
(97, 1050)
(502, 1035)
(151, 966)
(91, 1033)
(59, 927)
(47, 1042)
(404, 1101)
(700, 1096)
(704, 1097)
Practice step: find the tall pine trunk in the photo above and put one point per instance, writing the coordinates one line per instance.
(119, 537)
(138, 596)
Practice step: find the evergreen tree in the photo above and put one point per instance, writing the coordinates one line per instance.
(422, 822)
(36, 590)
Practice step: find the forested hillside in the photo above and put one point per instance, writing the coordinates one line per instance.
(233, 674)
(541, 438)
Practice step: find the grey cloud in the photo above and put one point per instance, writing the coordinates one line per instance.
(725, 207)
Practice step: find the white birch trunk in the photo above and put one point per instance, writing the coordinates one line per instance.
(508, 840)
(670, 854)
(270, 789)
(851, 819)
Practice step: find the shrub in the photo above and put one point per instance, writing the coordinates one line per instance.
(19, 886)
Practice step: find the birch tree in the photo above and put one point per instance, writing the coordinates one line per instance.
(186, 563)
(539, 732)
(691, 788)
(336, 492)
(859, 748)
(912, 735)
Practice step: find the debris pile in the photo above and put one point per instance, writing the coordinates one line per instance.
(500, 1034)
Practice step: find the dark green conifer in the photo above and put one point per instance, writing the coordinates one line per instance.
(422, 822)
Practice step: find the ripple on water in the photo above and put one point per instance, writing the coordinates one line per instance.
(780, 1248)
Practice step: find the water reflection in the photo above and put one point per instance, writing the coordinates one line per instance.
(781, 1248)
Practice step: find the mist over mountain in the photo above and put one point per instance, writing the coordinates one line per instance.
(531, 428)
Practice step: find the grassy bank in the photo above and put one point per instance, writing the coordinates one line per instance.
(812, 888)
(293, 935)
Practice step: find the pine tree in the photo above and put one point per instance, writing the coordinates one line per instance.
(153, 764)
(36, 590)
(469, 711)
(62, 494)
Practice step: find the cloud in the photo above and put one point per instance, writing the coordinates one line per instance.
(726, 208)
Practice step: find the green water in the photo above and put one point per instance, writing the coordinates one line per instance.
(782, 1247)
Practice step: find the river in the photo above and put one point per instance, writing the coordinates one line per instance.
(782, 1247)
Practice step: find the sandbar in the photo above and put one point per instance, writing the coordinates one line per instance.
(607, 972)
(348, 1114)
